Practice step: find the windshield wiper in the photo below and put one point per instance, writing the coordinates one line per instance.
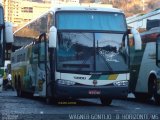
(107, 63)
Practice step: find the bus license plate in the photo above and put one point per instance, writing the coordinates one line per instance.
(94, 92)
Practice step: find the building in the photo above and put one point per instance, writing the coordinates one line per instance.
(77, 1)
(19, 12)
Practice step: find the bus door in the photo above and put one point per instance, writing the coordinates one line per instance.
(42, 65)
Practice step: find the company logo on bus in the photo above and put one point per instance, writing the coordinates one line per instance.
(81, 78)
(94, 82)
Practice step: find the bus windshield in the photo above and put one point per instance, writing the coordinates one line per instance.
(92, 52)
(90, 21)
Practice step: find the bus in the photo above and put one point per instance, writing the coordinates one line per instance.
(6, 37)
(74, 52)
(144, 65)
(144, 22)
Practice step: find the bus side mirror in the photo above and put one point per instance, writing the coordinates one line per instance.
(9, 32)
(158, 52)
(52, 37)
(137, 39)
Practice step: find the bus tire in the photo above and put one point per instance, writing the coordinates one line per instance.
(106, 101)
(141, 97)
(155, 94)
(151, 86)
(152, 89)
(19, 91)
(157, 99)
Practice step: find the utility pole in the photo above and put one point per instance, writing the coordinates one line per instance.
(143, 4)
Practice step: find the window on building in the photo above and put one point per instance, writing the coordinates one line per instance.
(27, 9)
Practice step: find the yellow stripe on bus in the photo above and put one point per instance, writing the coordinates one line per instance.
(113, 77)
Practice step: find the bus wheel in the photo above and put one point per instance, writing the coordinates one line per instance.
(105, 101)
(157, 99)
(141, 97)
(151, 86)
(19, 91)
(156, 95)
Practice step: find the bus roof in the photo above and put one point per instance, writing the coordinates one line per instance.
(85, 8)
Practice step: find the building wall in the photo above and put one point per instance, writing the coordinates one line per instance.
(19, 12)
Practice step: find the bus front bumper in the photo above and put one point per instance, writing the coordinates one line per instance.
(114, 92)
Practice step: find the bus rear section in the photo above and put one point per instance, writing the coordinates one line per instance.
(145, 79)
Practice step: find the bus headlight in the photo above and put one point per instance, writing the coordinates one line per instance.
(66, 82)
(121, 83)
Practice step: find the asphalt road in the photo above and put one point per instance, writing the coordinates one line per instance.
(15, 108)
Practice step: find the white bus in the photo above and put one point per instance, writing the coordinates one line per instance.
(144, 21)
(145, 71)
(74, 52)
(6, 36)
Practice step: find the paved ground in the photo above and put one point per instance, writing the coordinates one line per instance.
(15, 108)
